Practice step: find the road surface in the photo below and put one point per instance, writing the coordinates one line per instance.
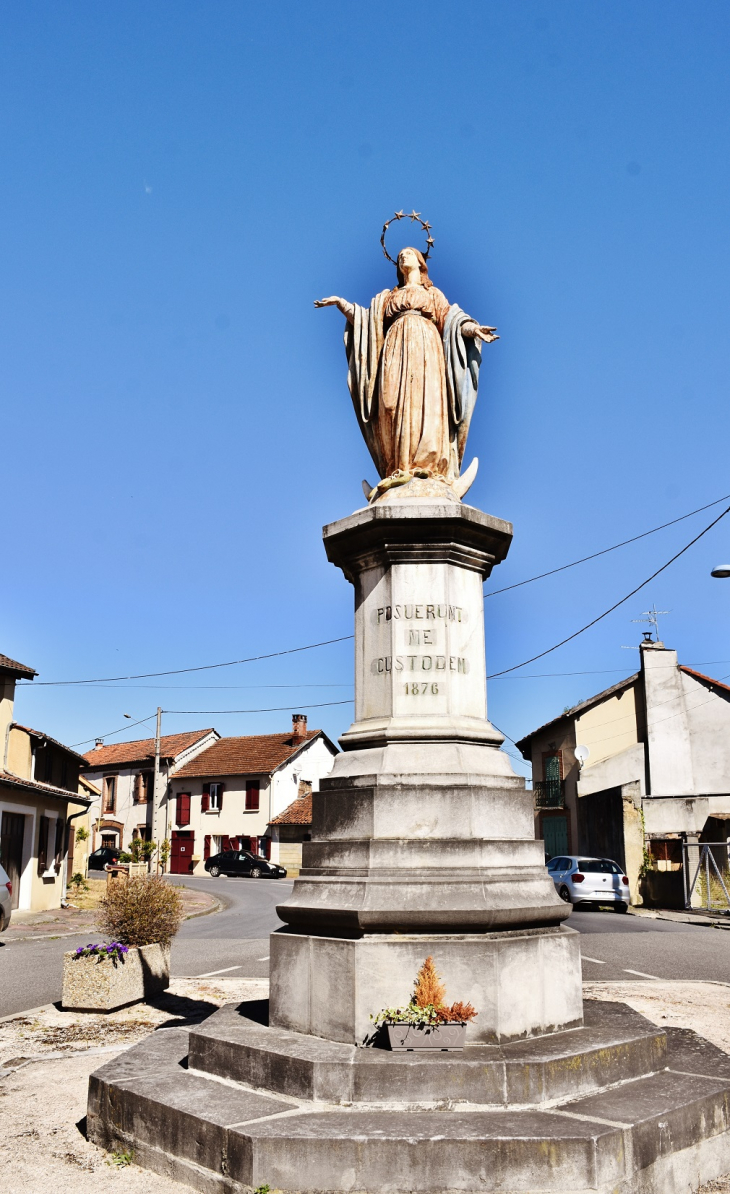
(235, 942)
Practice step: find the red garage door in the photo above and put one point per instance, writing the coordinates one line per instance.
(182, 848)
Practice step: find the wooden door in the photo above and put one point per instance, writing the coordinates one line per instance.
(11, 850)
(555, 835)
(181, 852)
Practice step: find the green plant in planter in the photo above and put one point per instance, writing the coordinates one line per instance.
(427, 1005)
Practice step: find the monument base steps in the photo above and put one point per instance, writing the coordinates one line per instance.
(615, 1107)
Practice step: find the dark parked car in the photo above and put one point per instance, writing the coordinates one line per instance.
(99, 859)
(242, 862)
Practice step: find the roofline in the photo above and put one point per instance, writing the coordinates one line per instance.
(583, 707)
(20, 672)
(17, 725)
(701, 676)
(301, 747)
(36, 788)
(143, 758)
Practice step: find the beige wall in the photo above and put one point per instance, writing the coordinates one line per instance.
(20, 755)
(37, 893)
(610, 727)
(290, 856)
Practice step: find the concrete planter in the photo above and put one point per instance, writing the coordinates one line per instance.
(101, 984)
(438, 1036)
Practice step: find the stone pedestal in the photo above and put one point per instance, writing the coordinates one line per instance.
(422, 843)
(422, 835)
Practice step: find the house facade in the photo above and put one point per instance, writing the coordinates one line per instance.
(227, 795)
(290, 829)
(123, 775)
(654, 769)
(39, 794)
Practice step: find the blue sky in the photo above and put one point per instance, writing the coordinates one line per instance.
(180, 180)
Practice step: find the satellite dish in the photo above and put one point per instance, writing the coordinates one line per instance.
(581, 753)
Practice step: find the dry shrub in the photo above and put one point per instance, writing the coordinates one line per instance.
(142, 911)
(459, 1012)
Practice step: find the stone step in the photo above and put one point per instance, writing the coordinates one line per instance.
(616, 1044)
(664, 1132)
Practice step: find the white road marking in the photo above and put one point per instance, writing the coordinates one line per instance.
(263, 959)
(596, 960)
(641, 974)
(223, 971)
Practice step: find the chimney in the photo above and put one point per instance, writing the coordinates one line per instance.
(298, 728)
(98, 744)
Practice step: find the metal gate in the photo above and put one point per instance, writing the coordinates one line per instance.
(703, 877)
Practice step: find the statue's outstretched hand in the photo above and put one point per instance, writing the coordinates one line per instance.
(333, 301)
(346, 308)
(486, 334)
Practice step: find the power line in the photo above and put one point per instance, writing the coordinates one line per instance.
(206, 667)
(275, 709)
(610, 610)
(111, 733)
(606, 550)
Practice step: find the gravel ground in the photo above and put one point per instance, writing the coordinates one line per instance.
(43, 1101)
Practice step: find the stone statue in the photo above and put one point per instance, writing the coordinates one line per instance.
(413, 370)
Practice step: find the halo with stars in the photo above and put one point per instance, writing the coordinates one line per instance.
(412, 216)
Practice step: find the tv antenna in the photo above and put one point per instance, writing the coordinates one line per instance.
(652, 616)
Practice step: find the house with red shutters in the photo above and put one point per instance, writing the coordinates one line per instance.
(226, 797)
(124, 772)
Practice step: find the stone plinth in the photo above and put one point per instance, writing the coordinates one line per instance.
(524, 983)
(422, 835)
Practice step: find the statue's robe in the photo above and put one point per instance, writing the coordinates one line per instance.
(413, 379)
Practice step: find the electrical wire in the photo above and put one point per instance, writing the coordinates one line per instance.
(616, 604)
(606, 550)
(111, 733)
(274, 709)
(206, 667)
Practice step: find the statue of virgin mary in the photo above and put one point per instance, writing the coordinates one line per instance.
(413, 370)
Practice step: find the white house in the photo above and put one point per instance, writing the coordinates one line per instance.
(656, 768)
(124, 772)
(227, 795)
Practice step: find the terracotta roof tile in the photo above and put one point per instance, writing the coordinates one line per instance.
(11, 665)
(142, 750)
(299, 812)
(40, 734)
(251, 755)
(34, 785)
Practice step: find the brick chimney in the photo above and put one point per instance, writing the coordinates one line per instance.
(298, 728)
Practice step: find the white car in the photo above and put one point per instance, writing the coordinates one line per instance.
(580, 880)
(6, 890)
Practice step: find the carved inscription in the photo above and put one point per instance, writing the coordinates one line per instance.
(408, 613)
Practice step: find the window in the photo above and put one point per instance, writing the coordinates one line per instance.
(47, 766)
(216, 843)
(552, 767)
(253, 793)
(64, 773)
(212, 801)
(599, 866)
(58, 852)
(109, 841)
(43, 827)
(110, 794)
(149, 785)
(183, 809)
(137, 790)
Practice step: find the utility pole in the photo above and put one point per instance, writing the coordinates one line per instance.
(156, 785)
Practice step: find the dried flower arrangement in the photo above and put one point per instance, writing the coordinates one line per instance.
(426, 1006)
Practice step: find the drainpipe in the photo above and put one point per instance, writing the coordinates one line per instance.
(64, 864)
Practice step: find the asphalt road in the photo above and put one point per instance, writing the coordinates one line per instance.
(234, 942)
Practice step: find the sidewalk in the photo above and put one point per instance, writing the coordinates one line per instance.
(695, 916)
(67, 922)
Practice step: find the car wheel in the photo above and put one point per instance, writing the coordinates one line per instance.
(564, 894)
(256, 872)
(621, 907)
(214, 872)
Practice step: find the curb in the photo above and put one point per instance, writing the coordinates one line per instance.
(216, 907)
(703, 922)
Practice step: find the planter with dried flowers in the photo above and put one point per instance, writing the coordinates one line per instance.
(426, 1022)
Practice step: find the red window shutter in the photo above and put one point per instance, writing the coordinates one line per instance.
(183, 808)
(226, 843)
(205, 801)
(43, 826)
(254, 845)
(206, 846)
(234, 843)
(265, 847)
(253, 791)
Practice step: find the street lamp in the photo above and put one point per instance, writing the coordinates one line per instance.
(721, 572)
